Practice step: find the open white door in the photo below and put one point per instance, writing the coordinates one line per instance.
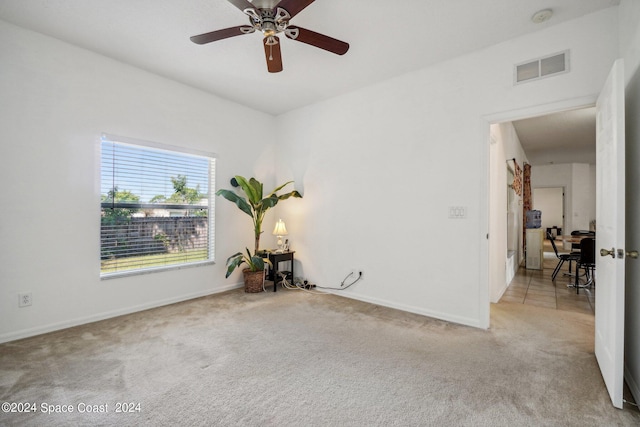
(610, 221)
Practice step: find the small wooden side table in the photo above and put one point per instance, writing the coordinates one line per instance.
(276, 258)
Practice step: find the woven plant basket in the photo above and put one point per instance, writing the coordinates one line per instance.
(253, 280)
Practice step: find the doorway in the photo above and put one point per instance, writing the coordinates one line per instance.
(557, 191)
(610, 200)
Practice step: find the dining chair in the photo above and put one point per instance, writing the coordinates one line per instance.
(562, 258)
(587, 262)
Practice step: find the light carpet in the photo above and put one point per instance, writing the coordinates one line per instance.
(293, 358)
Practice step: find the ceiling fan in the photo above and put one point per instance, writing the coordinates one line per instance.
(271, 17)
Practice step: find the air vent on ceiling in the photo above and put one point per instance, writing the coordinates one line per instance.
(542, 67)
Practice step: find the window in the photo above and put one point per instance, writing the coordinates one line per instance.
(156, 206)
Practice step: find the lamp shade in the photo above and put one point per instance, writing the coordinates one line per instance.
(280, 229)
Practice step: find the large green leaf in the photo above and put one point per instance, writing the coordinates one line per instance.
(257, 263)
(280, 187)
(269, 202)
(233, 262)
(257, 188)
(234, 198)
(252, 194)
(233, 256)
(294, 193)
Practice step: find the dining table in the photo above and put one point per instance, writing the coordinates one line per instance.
(569, 238)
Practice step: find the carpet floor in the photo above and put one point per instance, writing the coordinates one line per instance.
(293, 358)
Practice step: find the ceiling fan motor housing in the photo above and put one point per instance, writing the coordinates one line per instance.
(268, 21)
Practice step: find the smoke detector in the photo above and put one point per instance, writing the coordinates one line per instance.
(542, 16)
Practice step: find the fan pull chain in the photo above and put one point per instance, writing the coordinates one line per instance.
(270, 52)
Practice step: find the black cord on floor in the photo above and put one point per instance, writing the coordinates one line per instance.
(342, 285)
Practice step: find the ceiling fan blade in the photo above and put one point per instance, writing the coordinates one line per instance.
(316, 39)
(272, 54)
(242, 4)
(293, 6)
(222, 34)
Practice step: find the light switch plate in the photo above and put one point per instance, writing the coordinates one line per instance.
(457, 212)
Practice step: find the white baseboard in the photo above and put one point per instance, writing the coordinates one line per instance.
(26, 333)
(496, 298)
(466, 321)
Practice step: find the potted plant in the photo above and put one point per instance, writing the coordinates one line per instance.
(253, 274)
(256, 206)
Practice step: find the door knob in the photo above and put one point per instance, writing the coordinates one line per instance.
(605, 252)
(632, 254)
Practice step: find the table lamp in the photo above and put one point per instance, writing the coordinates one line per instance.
(280, 230)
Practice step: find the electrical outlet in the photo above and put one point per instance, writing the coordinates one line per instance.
(356, 272)
(25, 299)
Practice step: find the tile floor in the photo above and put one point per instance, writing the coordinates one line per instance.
(535, 287)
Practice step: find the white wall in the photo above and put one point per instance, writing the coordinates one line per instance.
(630, 50)
(583, 196)
(55, 101)
(504, 145)
(381, 166)
(578, 180)
(550, 201)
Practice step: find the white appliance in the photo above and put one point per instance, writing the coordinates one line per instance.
(535, 249)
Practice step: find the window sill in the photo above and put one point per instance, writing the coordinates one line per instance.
(117, 275)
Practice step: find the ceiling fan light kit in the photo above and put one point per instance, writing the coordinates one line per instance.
(271, 18)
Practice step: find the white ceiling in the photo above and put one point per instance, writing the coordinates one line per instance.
(387, 38)
(566, 137)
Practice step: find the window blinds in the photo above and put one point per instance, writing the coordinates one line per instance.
(156, 207)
